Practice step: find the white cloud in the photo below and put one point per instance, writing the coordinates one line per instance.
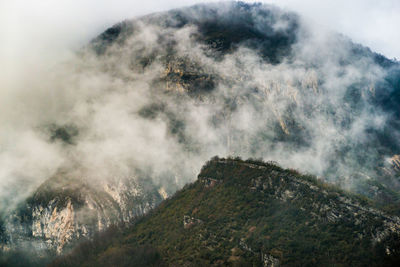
(372, 23)
(47, 30)
(36, 35)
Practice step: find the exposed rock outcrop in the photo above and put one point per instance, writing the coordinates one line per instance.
(189, 222)
(395, 161)
(333, 207)
(259, 214)
(65, 209)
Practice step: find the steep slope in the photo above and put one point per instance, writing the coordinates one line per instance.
(251, 213)
(65, 209)
(156, 96)
(253, 70)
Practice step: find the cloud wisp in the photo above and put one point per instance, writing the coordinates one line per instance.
(138, 104)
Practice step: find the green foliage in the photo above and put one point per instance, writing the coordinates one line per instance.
(112, 254)
(233, 224)
(24, 258)
(65, 133)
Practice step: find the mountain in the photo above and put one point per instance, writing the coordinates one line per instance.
(269, 85)
(140, 108)
(65, 209)
(251, 213)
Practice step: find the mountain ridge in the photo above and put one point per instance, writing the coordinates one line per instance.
(156, 96)
(236, 214)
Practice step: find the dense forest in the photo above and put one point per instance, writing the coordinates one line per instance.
(249, 213)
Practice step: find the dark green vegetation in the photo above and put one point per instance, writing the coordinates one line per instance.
(25, 258)
(250, 213)
(217, 62)
(65, 134)
(64, 210)
(223, 27)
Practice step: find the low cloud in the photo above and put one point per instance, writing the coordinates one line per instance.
(112, 115)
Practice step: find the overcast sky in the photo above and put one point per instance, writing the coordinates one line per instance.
(374, 23)
(31, 29)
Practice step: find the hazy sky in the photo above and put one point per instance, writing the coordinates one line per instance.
(33, 30)
(372, 23)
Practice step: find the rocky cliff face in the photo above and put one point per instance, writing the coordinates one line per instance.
(323, 203)
(249, 68)
(64, 210)
(169, 90)
(395, 161)
(256, 213)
